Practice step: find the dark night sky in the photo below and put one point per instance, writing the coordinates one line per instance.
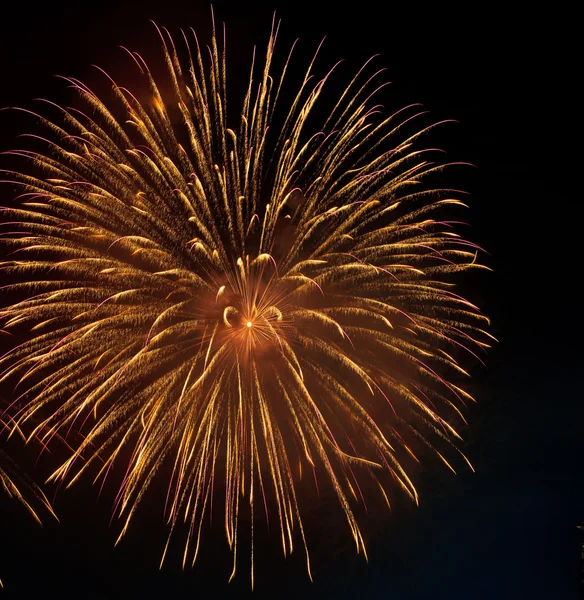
(507, 531)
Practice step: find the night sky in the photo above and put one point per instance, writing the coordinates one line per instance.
(506, 531)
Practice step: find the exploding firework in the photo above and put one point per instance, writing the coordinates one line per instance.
(248, 306)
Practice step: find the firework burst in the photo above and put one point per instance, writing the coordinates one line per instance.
(243, 305)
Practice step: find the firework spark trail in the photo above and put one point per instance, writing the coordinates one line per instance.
(233, 304)
(14, 483)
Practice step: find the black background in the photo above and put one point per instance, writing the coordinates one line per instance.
(507, 531)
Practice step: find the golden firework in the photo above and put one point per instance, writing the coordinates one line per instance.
(239, 303)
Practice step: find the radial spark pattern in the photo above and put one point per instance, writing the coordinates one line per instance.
(245, 305)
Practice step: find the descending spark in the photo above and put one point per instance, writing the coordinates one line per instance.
(240, 303)
(14, 483)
